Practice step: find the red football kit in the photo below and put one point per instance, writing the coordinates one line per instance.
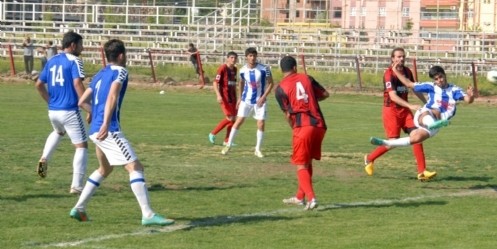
(396, 117)
(226, 80)
(297, 95)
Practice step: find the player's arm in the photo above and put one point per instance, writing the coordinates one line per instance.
(270, 85)
(399, 101)
(407, 82)
(85, 100)
(283, 102)
(319, 90)
(42, 90)
(470, 97)
(110, 106)
(215, 84)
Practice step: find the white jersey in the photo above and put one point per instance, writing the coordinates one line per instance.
(443, 100)
(255, 82)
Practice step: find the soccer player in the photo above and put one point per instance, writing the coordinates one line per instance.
(438, 110)
(225, 88)
(60, 84)
(397, 115)
(257, 82)
(298, 96)
(106, 93)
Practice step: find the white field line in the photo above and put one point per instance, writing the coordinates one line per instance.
(221, 220)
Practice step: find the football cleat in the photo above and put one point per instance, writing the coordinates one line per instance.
(438, 124)
(426, 175)
(225, 150)
(311, 205)
(258, 154)
(157, 220)
(369, 166)
(78, 215)
(42, 168)
(294, 201)
(212, 138)
(376, 141)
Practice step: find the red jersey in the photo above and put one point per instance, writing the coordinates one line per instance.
(392, 83)
(226, 81)
(298, 94)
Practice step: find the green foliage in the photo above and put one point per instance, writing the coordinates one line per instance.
(234, 201)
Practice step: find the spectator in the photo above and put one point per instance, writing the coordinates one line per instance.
(28, 55)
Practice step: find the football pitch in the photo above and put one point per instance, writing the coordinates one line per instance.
(234, 201)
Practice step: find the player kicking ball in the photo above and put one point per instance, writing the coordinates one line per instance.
(103, 99)
(436, 113)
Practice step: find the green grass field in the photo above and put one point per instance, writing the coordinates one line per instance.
(234, 201)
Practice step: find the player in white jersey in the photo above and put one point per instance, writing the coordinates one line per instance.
(438, 110)
(257, 82)
(103, 99)
(60, 84)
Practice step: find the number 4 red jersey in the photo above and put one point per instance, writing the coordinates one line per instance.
(298, 94)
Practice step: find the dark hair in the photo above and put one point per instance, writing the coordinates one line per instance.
(191, 45)
(250, 50)
(287, 64)
(435, 70)
(113, 48)
(70, 38)
(231, 53)
(50, 42)
(395, 50)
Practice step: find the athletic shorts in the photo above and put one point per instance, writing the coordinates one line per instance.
(116, 148)
(245, 109)
(229, 109)
(306, 144)
(416, 122)
(397, 119)
(69, 122)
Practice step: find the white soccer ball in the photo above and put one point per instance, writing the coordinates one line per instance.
(162, 92)
(492, 76)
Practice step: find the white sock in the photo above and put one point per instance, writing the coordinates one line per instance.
(399, 142)
(233, 134)
(260, 137)
(79, 164)
(137, 182)
(51, 144)
(90, 187)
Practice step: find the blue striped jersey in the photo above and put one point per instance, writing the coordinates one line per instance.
(443, 100)
(255, 82)
(59, 74)
(101, 85)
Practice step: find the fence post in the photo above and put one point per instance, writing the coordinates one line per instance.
(302, 58)
(12, 65)
(358, 68)
(152, 65)
(415, 69)
(475, 80)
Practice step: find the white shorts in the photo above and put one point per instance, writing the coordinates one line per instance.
(116, 148)
(69, 122)
(416, 121)
(244, 110)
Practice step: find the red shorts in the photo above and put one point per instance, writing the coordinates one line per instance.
(306, 144)
(229, 109)
(396, 119)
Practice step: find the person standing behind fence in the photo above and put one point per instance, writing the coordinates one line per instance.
(60, 84)
(256, 81)
(397, 115)
(28, 55)
(51, 50)
(193, 52)
(103, 99)
(225, 88)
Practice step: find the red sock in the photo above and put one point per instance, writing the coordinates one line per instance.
(223, 123)
(305, 181)
(380, 150)
(419, 154)
(228, 131)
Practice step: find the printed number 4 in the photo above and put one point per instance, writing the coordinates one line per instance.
(301, 94)
(57, 75)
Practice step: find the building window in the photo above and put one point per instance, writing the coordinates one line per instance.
(337, 12)
(405, 12)
(352, 11)
(297, 13)
(382, 11)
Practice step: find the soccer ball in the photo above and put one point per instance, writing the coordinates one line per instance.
(492, 76)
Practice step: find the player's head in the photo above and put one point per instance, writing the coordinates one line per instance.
(398, 55)
(73, 43)
(50, 43)
(191, 45)
(437, 73)
(115, 52)
(251, 56)
(288, 64)
(231, 58)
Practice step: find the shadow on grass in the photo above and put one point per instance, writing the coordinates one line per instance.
(465, 178)
(381, 204)
(22, 198)
(226, 220)
(160, 187)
